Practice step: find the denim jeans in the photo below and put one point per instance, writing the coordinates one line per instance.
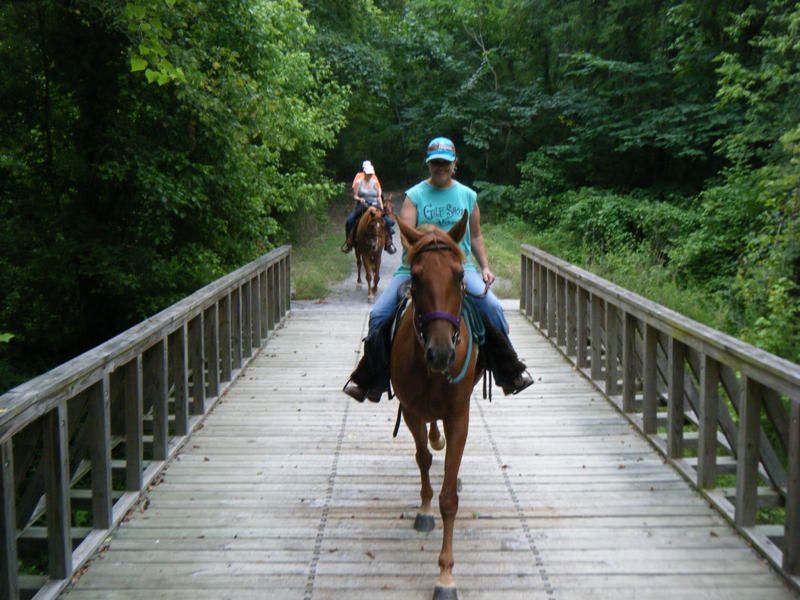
(387, 302)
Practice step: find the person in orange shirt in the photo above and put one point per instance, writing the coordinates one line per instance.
(367, 191)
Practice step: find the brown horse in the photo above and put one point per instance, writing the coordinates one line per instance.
(433, 370)
(370, 239)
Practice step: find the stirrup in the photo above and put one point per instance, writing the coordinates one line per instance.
(521, 382)
(346, 247)
(390, 248)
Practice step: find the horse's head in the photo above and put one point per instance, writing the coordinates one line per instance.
(374, 229)
(437, 288)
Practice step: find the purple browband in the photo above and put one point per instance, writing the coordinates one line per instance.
(440, 314)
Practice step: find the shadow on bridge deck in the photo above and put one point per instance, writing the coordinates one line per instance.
(291, 490)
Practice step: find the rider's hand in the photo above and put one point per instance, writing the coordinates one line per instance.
(487, 275)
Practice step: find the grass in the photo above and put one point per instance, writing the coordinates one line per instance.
(317, 262)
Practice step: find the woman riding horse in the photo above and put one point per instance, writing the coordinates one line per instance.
(440, 200)
(367, 192)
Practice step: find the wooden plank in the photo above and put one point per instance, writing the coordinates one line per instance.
(572, 333)
(582, 359)
(561, 311)
(179, 370)
(156, 394)
(211, 339)
(197, 359)
(612, 349)
(236, 329)
(791, 549)
(597, 318)
(747, 471)
(629, 363)
(132, 378)
(225, 338)
(247, 319)
(707, 431)
(551, 304)
(9, 578)
(649, 380)
(100, 423)
(675, 401)
(56, 474)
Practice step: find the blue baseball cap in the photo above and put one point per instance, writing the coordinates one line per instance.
(441, 148)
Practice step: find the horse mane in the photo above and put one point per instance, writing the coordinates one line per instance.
(431, 235)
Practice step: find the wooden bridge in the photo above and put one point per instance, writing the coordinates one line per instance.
(208, 453)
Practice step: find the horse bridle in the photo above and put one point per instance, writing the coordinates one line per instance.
(420, 320)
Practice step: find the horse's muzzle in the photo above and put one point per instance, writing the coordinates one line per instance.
(439, 356)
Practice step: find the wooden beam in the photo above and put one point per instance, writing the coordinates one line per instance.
(561, 311)
(197, 364)
(211, 339)
(100, 440)
(236, 328)
(225, 344)
(612, 349)
(56, 475)
(179, 368)
(747, 463)
(650, 380)
(675, 407)
(582, 358)
(133, 387)
(551, 304)
(629, 363)
(572, 333)
(247, 320)
(597, 318)
(156, 394)
(709, 412)
(9, 575)
(791, 550)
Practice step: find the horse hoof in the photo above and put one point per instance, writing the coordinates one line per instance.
(445, 593)
(424, 523)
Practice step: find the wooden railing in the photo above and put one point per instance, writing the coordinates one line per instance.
(731, 412)
(80, 444)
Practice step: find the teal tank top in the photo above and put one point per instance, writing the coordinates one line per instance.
(443, 208)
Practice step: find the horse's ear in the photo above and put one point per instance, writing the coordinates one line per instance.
(459, 229)
(410, 234)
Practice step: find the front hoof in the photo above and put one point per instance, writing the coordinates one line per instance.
(445, 593)
(424, 523)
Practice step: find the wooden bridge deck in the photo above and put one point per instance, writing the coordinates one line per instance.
(291, 490)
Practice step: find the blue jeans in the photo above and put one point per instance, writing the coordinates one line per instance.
(387, 302)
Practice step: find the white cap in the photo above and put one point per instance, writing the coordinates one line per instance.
(367, 167)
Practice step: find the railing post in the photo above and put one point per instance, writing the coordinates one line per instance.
(197, 364)
(791, 549)
(544, 296)
(675, 409)
(225, 338)
(628, 363)
(100, 439)
(561, 310)
(748, 453)
(263, 284)
(255, 309)
(247, 321)
(155, 388)
(709, 413)
(287, 280)
(571, 316)
(179, 365)
(583, 304)
(236, 328)
(536, 282)
(551, 304)
(56, 474)
(524, 301)
(9, 579)
(649, 387)
(134, 412)
(612, 374)
(211, 338)
(597, 343)
(271, 301)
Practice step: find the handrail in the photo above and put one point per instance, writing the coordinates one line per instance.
(167, 371)
(643, 356)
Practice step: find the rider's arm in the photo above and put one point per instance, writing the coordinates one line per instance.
(478, 247)
(380, 193)
(356, 182)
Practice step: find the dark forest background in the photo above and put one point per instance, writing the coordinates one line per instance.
(150, 146)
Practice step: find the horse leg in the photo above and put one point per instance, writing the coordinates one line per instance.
(376, 273)
(358, 266)
(435, 437)
(424, 521)
(455, 430)
(368, 275)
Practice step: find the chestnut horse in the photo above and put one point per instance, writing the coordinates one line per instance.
(433, 371)
(370, 239)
